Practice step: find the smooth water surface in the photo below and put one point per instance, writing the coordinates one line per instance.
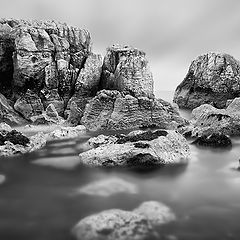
(40, 202)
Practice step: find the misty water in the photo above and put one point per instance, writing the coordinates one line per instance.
(42, 202)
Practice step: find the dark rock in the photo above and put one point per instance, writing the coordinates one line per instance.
(145, 136)
(214, 140)
(212, 78)
(14, 137)
(141, 145)
(144, 160)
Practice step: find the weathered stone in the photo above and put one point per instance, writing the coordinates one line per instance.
(207, 120)
(101, 140)
(156, 212)
(165, 149)
(114, 224)
(52, 112)
(35, 142)
(14, 137)
(213, 140)
(8, 114)
(107, 187)
(114, 110)
(29, 105)
(126, 69)
(212, 78)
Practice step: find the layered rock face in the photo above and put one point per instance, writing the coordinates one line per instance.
(41, 61)
(212, 78)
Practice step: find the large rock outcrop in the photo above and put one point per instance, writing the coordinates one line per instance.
(212, 78)
(44, 58)
(111, 109)
(126, 69)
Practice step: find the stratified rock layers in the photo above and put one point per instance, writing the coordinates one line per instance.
(212, 78)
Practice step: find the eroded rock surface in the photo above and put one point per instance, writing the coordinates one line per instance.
(207, 120)
(111, 109)
(168, 147)
(212, 78)
(126, 69)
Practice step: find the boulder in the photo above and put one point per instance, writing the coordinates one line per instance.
(207, 120)
(212, 78)
(114, 224)
(75, 114)
(115, 110)
(167, 147)
(107, 187)
(126, 69)
(213, 140)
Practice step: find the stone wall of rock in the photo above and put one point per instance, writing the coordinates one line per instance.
(212, 78)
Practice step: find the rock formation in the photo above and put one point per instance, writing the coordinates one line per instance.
(48, 66)
(117, 224)
(144, 149)
(212, 78)
(41, 62)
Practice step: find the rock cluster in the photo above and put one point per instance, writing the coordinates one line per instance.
(211, 79)
(48, 67)
(144, 149)
(116, 224)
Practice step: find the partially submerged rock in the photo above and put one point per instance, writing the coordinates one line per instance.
(116, 224)
(207, 119)
(213, 140)
(212, 78)
(168, 148)
(107, 187)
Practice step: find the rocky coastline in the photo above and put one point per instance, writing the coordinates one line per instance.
(50, 76)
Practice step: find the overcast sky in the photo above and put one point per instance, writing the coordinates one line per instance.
(171, 32)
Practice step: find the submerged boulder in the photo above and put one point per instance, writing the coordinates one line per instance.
(2, 178)
(115, 110)
(107, 187)
(212, 78)
(116, 224)
(167, 147)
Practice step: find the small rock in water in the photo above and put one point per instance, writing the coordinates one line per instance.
(108, 187)
(213, 140)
